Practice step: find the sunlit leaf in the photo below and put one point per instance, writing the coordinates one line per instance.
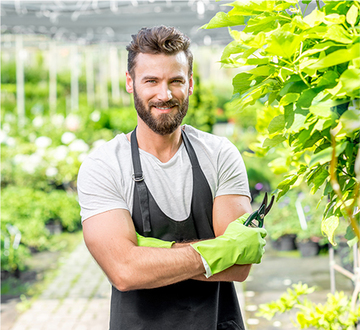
(274, 141)
(350, 80)
(284, 43)
(352, 15)
(350, 121)
(315, 18)
(277, 124)
(337, 57)
(324, 156)
(222, 19)
(328, 227)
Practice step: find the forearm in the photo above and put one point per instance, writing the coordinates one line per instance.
(147, 267)
(237, 273)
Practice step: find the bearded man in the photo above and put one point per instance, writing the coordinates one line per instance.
(163, 206)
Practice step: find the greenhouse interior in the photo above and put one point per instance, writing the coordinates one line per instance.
(278, 79)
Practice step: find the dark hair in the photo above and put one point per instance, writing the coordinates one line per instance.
(158, 40)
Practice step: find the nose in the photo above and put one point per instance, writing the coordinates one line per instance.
(164, 93)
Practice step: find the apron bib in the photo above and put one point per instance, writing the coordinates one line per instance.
(190, 305)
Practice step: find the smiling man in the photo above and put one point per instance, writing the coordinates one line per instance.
(163, 206)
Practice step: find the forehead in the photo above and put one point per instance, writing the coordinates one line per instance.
(159, 64)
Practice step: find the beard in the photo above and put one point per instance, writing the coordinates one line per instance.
(165, 123)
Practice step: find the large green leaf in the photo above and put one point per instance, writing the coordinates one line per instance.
(284, 43)
(352, 15)
(222, 19)
(339, 34)
(274, 141)
(251, 7)
(315, 18)
(350, 80)
(324, 156)
(350, 121)
(277, 124)
(317, 48)
(328, 227)
(263, 23)
(337, 57)
(242, 82)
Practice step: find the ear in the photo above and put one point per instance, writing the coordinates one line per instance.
(129, 83)
(191, 85)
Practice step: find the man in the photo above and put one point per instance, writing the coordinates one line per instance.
(159, 203)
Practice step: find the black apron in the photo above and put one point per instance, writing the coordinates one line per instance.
(190, 305)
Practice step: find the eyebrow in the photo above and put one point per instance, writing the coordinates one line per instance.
(156, 78)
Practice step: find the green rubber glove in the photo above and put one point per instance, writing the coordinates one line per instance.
(239, 245)
(153, 242)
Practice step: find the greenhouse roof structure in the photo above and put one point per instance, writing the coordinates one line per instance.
(96, 21)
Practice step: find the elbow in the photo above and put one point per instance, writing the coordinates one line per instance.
(124, 282)
(245, 273)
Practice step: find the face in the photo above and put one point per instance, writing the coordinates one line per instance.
(161, 88)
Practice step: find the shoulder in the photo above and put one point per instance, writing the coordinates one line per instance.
(106, 156)
(209, 143)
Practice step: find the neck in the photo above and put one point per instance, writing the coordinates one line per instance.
(163, 147)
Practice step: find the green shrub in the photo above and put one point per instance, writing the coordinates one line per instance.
(30, 210)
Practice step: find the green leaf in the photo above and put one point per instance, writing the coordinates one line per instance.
(337, 57)
(318, 48)
(315, 18)
(298, 123)
(307, 96)
(327, 79)
(328, 227)
(289, 98)
(263, 23)
(334, 19)
(352, 15)
(274, 141)
(222, 19)
(242, 82)
(263, 70)
(324, 156)
(283, 43)
(288, 182)
(249, 7)
(339, 34)
(323, 108)
(350, 80)
(277, 124)
(319, 178)
(350, 121)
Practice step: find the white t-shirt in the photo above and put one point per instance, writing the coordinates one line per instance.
(105, 177)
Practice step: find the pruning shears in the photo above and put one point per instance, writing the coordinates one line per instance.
(256, 219)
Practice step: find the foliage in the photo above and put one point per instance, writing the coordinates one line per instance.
(336, 313)
(202, 106)
(29, 210)
(284, 216)
(305, 70)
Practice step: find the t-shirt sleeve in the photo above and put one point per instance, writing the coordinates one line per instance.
(97, 189)
(232, 176)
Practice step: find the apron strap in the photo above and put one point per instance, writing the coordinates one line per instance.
(190, 150)
(138, 177)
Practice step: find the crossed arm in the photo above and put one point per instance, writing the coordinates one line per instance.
(111, 239)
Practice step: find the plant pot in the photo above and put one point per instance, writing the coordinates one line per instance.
(54, 227)
(285, 243)
(308, 248)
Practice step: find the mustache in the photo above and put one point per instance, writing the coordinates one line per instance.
(167, 104)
